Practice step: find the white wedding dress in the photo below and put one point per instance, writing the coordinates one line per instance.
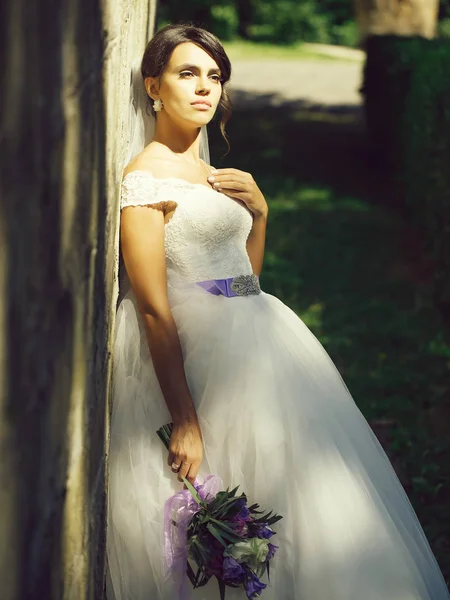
(276, 418)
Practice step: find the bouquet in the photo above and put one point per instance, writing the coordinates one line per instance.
(219, 533)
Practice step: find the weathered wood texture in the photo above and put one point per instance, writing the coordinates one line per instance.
(64, 94)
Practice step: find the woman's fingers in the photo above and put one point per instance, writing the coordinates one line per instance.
(183, 470)
(231, 173)
(187, 470)
(231, 191)
(174, 461)
(193, 472)
(185, 451)
(233, 183)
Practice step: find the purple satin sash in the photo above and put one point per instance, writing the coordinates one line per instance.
(218, 287)
(242, 285)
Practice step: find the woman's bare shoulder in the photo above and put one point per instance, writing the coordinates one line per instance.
(152, 159)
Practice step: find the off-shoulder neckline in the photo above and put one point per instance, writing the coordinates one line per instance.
(174, 179)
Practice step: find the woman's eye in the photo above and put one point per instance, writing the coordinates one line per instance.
(216, 78)
(186, 73)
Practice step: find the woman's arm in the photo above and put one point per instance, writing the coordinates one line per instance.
(256, 242)
(142, 243)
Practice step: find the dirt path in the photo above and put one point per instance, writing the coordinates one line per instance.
(314, 81)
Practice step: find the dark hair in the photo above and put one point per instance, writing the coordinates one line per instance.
(159, 50)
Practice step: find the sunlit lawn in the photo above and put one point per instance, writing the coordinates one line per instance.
(240, 49)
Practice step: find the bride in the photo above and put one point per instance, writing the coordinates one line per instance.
(252, 394)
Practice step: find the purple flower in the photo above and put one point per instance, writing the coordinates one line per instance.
(240, 527)
(253, 586)
(262, 530)
(243, 513)
(232, 570)
(272, 550)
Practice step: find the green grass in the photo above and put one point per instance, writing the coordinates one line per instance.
(244, 50)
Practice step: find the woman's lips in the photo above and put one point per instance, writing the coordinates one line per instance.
(201, 105)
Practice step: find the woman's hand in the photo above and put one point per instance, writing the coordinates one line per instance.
(186, 450)
(240, 185)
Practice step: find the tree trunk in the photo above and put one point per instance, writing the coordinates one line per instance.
(245, 13)
(396, 17)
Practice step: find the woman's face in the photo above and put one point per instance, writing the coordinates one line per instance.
(190, 87)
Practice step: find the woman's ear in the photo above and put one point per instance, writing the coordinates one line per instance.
(151, 87)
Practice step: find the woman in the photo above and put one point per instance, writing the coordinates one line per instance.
(253, 396)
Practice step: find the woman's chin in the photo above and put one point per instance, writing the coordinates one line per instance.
(203, 119)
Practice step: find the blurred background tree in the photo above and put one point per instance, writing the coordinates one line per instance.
(397, 17)
(288, 21)
(279, 21)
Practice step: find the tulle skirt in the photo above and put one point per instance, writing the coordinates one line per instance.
(277, 420)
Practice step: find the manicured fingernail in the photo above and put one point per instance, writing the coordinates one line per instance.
(210, 178)
(213, 170)
(216, 185)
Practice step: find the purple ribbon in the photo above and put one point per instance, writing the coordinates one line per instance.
(218, 287)
(242, 285)
(178, 511)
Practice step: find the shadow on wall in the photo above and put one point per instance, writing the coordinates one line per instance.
(54, 211)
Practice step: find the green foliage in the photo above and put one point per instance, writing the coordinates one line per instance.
(426, 139)
(444, 28)
(286, 22)
(345, 34)
(339, 11)
(277, 21)
(225, 21)
(407, 89)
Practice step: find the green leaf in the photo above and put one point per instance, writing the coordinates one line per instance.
(224, 526)
(221, 589)
(220, 498)
(190, 573)
(203, 518)
(198, 551)
(164, 434)
(197, 577)
(201, 578)
(193, 491)
(213, 531)
(257, 512)
(225, 507)
(274, 519)
(233, 492)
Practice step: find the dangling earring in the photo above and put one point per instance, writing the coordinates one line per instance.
(157, 105)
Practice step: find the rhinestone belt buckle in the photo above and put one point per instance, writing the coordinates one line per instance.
(245, 285)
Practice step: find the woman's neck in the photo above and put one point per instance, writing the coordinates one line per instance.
(179, 141)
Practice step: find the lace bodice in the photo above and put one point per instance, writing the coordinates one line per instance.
(206, 235)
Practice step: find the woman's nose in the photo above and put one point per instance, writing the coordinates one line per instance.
(203, 86)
